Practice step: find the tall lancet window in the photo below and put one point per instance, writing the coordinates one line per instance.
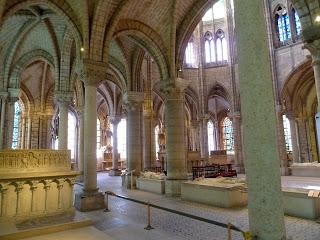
(156, 136)
(190, 56)
(209, 48)
(16, 125)
(287, 133)
(283, 25)
(210, 129)
(222, 47)
(98, 151)
(297, 23)
(71, 133)
(227, 129)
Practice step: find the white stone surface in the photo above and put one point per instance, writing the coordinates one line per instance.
(298, 204)
(219, 195)
(151, 185)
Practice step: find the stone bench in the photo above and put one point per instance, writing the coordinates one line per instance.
(151, 185)
(225, 197)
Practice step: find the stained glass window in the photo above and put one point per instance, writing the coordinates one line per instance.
(297, 23)
(283, 25)
(210, 129)
(287, 133)
(227, 128)
(16, 125)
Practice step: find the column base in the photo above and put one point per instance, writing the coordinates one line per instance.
(173, 188)
(114, 172)
(126, 181)
(89, 200)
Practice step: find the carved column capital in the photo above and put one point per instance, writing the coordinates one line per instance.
(174, 90)
(4, 95)
(132, 100)
(63, 98)
(93, 72)
(314, 49)
(115, 120)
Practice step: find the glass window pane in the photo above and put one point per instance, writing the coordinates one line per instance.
(16, 125)
(228, 135)
(219, 50)
(287, 133)
(71, 133)
(297, 23)
(208, 16)
(219, 10)
(210, 129)
(207, 51)
(224, 49)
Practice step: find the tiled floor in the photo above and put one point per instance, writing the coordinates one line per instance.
(127, 220)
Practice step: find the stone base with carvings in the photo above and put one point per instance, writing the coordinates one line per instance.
(35, 183)
(85, 202)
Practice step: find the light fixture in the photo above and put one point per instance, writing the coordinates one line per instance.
(317, 19)
(82, 49)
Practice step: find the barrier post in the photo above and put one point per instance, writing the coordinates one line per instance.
(107, 203)
(229, 232)
(148, 227)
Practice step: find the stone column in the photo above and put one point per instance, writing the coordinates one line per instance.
(314, 48)
(303, 139)
(282, 143)
(133, 104)
(115, 171)
(294, 139)
(175, 140)
(80, 142)
(90, 198)
(194, 135)
(238, 153)
(63, 100)
(265, 203)
(3, 98)
(204, 137)
(147, 138)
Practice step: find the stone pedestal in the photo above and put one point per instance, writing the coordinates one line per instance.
(173, 188)
(86, 201)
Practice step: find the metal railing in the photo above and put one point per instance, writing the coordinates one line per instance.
(228, 226)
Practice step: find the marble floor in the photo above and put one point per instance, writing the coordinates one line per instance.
(126, 220)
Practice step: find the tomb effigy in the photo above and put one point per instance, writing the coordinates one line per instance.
(311, 169)
(219, 192)
(151, 182)
(35, 183)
